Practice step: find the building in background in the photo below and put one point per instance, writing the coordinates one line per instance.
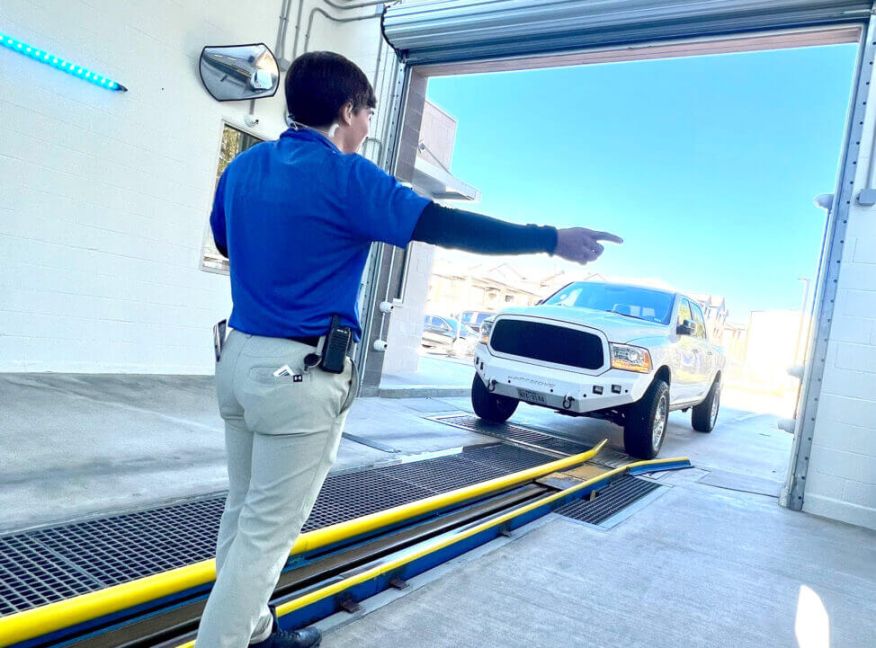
(431, 177)
(716, 313)
(489, 287)
(733, 341)
(772, 343)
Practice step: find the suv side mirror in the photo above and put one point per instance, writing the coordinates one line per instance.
(686, 328)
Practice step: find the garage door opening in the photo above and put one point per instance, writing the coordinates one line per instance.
(704, 155)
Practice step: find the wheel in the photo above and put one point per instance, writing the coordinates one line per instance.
(646, 421)
(491, 407)
(705, 415)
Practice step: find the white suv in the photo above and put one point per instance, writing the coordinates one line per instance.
(619, 352)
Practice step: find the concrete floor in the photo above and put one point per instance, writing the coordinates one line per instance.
(746, 451)
(76, 445)
(713, 561)
(79, 445)
(698, 566)
(434, 370)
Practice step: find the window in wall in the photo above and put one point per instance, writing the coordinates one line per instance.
(234, 142)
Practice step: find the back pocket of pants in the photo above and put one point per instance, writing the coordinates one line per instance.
(265, 375)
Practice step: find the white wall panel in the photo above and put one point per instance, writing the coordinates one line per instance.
(104, 197)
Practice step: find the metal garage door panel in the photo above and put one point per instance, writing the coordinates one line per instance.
(442, 31)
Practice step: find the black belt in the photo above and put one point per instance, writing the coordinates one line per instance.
(312, 340)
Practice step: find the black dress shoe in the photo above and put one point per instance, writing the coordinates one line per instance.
(304, 638)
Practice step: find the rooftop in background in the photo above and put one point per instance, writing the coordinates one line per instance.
(432, 174)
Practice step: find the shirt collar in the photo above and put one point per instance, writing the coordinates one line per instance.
(310, 135)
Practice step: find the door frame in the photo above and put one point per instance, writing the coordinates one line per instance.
(404, 134)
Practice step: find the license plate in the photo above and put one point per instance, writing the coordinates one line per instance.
(531, 396)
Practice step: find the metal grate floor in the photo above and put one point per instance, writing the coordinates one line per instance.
(510, 432)
(615, 497)
(52, 564)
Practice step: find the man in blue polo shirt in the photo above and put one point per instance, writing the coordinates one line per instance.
(296, 217)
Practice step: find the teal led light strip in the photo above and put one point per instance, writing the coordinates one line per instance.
(60, 64)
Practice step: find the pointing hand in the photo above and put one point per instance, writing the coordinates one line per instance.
(581, 244)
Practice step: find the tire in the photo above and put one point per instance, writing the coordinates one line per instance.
(705, 415)
(488, 406)
(642, 438)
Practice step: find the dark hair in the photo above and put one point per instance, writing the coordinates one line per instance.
(318, 84)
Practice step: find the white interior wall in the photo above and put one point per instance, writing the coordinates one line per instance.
(405, 329)
(104, 196)
(841, 480)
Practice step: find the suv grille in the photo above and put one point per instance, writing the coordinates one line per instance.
(548, 343)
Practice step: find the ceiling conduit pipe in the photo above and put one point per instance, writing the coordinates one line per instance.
(335, 19)
(358, 5)
(297, 28)
(282, 27)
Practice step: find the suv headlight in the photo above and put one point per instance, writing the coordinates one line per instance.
(486, 329)
(630, 358)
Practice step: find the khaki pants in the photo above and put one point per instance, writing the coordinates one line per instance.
(281, 436)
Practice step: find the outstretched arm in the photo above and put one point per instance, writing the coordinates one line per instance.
(463, 230)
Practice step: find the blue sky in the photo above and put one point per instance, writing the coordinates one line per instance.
(707, 166)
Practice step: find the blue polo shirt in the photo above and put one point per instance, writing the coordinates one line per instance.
(297, 217)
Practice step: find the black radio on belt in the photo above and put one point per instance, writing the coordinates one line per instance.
(337, 343)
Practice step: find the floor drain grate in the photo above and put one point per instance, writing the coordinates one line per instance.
(47, 565)
(510, 432)
(612, 499)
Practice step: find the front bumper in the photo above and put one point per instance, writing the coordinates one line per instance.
(568, 391)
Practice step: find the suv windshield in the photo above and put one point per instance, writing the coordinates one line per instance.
(639, 303)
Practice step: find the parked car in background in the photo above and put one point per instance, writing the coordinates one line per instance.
(448, 335)
(474, 318)
(623, 353)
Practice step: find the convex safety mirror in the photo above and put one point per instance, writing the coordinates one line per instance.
(239, 72)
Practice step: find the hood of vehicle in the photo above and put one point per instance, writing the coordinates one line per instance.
(617, 328)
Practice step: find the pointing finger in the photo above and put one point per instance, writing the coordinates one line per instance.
(607, 236)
